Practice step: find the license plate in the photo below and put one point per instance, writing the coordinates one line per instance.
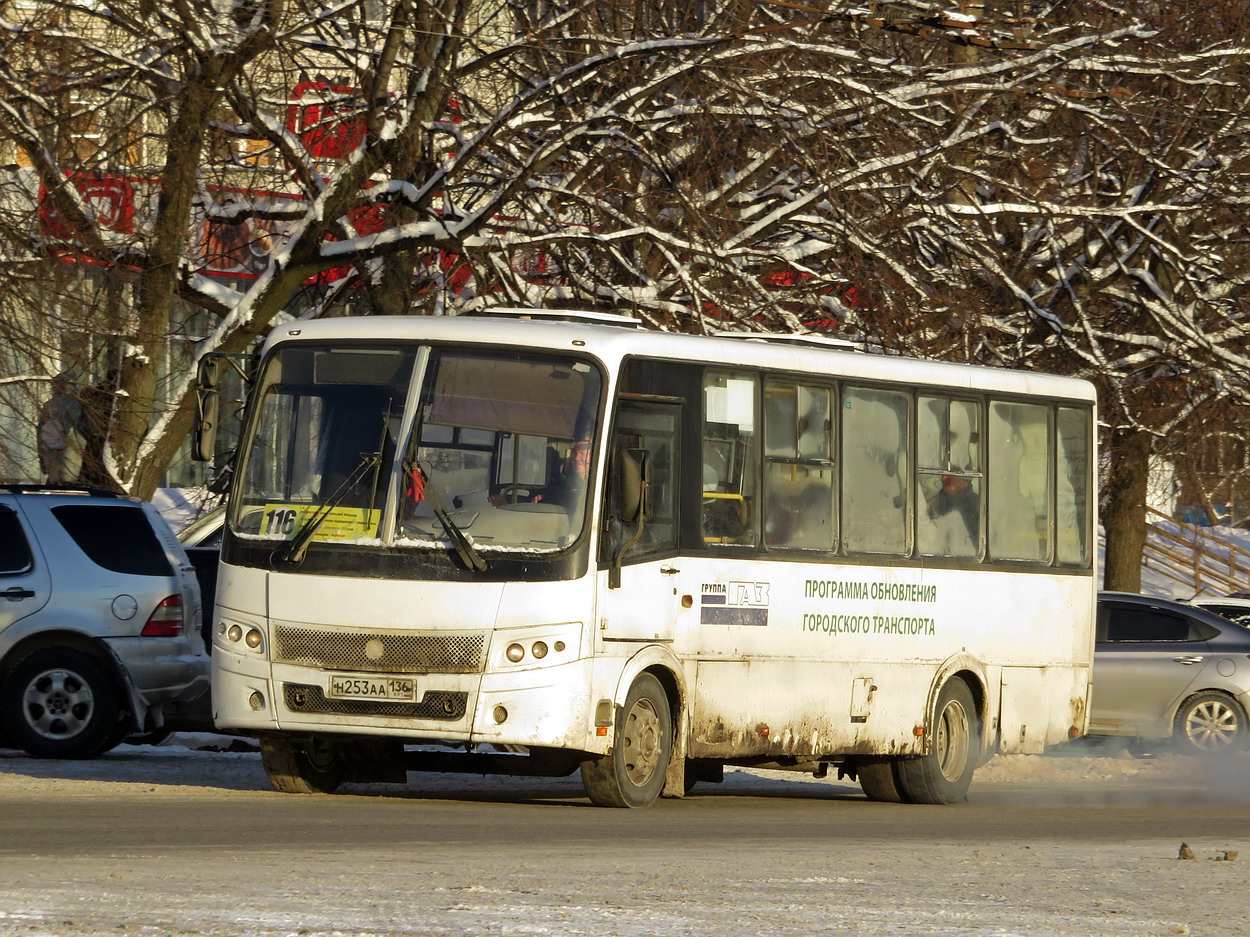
(375, 688)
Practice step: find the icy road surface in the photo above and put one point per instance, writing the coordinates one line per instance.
(92, 848)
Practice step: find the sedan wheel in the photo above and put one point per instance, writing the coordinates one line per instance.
(1210, 723)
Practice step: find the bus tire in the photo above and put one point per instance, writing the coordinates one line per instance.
(312, 765)
(944, 775)
(879, 780)
(632, 774)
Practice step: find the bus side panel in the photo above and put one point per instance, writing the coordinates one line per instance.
(794, 659)
(792, 708)
(1028, 695)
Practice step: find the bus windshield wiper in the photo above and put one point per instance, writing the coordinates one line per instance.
(459, 539)
(291, 554)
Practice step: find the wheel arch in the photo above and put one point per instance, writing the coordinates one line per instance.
(75, 640)
(1242, 698)
(102, 686)
(129, 697)
(1166, 723)
(1241, 701)
(661, 663)
(973, 673)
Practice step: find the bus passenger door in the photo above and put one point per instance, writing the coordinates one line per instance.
(639, 592)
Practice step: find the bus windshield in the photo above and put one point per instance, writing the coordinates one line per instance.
(497, 451)
(324, 437)
(501, 450)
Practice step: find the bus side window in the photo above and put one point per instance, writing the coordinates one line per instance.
(948, 479)
(730, 459)
(798, 467)
(1072, 485)
(874, 470)
(1019, 488)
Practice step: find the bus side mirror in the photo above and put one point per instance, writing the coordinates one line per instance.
(208, 407)
(222, 383)
(634, 484)
(633, 487)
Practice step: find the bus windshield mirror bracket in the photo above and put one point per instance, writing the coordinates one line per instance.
(634, 487)
(460, 541)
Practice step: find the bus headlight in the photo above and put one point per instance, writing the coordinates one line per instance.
(538, 645)
(251, 636)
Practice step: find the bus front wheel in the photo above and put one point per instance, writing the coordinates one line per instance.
(944, 775)
(632, 774)
(310, 765)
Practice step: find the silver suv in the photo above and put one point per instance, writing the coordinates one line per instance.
(99, 620)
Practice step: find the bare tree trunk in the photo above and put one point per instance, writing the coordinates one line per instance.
(157, 288)
(1124, 517)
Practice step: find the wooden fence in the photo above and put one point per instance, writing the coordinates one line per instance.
(1192, 558)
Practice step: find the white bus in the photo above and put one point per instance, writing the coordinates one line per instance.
(533, 543)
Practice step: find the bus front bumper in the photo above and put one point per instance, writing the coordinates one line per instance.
(533, 707)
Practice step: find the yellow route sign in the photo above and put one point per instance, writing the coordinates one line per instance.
(341, 523)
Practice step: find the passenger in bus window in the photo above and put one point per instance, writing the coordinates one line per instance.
(801, 519)
(567, 487)
(958, 497)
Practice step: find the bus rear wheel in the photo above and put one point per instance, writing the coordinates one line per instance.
(877, 777)
(944, 775)
(312, 765)
(632, 774)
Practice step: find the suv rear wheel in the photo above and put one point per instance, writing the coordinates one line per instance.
(60, 703)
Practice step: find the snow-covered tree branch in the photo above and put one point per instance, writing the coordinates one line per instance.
(1033, 185)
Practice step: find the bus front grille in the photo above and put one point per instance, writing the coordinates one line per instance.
(462, 652)
(436, 704)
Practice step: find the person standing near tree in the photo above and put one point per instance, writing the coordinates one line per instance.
(97, 410)
(61, 438)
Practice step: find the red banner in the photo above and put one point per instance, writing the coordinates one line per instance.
(110, 197)
(319, 125)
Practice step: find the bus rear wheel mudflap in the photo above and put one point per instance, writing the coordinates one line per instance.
(632, 774)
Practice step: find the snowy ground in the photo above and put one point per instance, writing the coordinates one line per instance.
(206, 760)
(865, 886)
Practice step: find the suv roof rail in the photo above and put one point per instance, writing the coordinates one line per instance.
(796, 338)
(565, 315)
(57, 489)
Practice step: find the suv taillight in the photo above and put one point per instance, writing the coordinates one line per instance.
(166, 621)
